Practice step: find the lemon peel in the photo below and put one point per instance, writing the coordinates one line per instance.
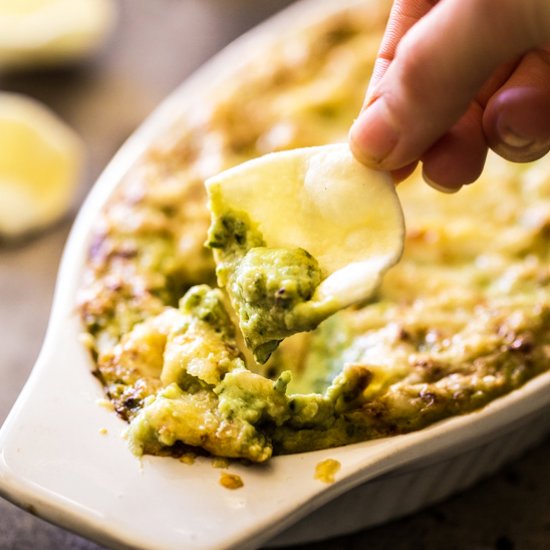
(49, 32)
(40, 164)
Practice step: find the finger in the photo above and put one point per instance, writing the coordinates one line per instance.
(495, 81)
(458, 157)
(404, 14)
(436, 72)
(403, 173)
(517, 117)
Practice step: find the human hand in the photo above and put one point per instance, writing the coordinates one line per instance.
(452, 79)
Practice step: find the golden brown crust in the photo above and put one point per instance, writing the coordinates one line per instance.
(463, 319)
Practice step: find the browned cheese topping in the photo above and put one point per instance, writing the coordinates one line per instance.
(463, 319)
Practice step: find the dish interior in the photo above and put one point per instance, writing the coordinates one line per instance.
(462, 319)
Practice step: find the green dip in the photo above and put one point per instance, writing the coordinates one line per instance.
(270, 288)
(463, 319)
(211, 400)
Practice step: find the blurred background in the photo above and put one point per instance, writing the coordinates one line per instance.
(119, 71)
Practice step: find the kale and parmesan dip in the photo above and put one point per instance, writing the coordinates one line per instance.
(270, 288)
(463, 319)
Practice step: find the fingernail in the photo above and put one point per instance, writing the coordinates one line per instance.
(510, 137)
(373, 136)
(438, 186)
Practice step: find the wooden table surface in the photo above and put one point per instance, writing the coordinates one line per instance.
(155, 45)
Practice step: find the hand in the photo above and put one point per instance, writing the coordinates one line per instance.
(453, 78)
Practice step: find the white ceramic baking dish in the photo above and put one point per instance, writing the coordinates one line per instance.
(57, 462)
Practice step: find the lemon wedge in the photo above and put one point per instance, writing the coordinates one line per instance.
(40, 162)
(298, 235)
(37, 32)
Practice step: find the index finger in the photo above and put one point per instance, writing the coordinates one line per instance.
(404, 14)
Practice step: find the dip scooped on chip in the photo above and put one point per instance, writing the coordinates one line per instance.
(298, 235)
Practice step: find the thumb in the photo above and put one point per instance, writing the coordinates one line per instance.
(439, 66)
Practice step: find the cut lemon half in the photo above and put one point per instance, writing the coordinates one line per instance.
(40, 163)
(346, 217)
(37, 32)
